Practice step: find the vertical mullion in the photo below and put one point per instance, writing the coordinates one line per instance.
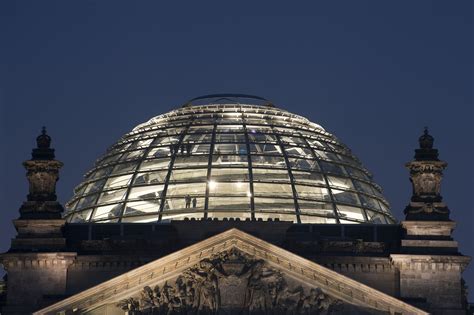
(170, 168)
(249, 160)
(323, 172)
(132, 179)
(290, 174)
(209, 168)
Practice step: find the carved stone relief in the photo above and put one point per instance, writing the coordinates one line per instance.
(230, 283)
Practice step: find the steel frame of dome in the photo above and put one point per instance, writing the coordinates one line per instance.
(228, 159)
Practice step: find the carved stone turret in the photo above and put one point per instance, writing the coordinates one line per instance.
(426, 173)
(42, 174)
(429, 263)
(40, 224)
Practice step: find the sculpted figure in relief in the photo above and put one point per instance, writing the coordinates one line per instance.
(197, 291)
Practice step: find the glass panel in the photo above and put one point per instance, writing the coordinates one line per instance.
(86, 201)
(146, 192)
(125, 167)
(326, 155)
(256, 129)
(230, 148)
(268, 161)
(303, 164)
(187, 202)
(118, 181)
(150, 178)
(225, 189)
(197, 138)
(154, 164)
(159, 152)
(191, 189)
(348, 222)
(110, 159)
(229, 203)
(357, 173)
(230, 128)
(369, 202)
(384, 207)
(94, 186)
(112, 196)
(319, 193)
(230, 174)
(340, 182)
(363, 187)
(80, 217)
(232, 160)
(309, 178)
(272, 190)
(375, 217)
(292, 140)
(299, 151)
(142, 207)
(332, 168)
(346, 212)
(261, 137)
(270, 175)
(274, 204)
(132, 155)
(314, 219)
(230, 137)
(190, 161)
(189, 175)
(107, 212)
(165, 140)
(265, 148)
(144, 143)
(200, 149)
(201, 129)
(101, 172)
(345, 196)
(318, 207)
(316, 143)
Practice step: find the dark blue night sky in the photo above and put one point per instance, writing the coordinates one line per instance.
(374, 73)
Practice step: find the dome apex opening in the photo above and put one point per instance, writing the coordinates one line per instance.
(228, 98)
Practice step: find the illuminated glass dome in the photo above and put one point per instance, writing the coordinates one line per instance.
(228, 157)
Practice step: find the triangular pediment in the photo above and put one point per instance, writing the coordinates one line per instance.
(231, 273)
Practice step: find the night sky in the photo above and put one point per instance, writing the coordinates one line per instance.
(373, 73)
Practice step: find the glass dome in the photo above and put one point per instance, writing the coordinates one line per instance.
(228, 156)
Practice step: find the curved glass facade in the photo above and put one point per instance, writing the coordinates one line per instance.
(224, 159)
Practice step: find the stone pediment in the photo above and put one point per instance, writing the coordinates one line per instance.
(231, 273)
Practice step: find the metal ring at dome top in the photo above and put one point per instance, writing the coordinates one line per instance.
(229, 96)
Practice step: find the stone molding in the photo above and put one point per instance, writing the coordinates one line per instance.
(298, 268)
(429, 228)
(430, 262)
(36, 260)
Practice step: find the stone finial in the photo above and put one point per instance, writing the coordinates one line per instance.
(43, 150)
(426, 151)
(426, 173)
(42, 173)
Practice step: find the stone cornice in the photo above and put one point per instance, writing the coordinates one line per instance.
(36, 260)
(430, 262)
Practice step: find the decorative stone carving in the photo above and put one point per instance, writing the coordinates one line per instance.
(426, 173)
(426, 178)
(230, 283)
(42, 174)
